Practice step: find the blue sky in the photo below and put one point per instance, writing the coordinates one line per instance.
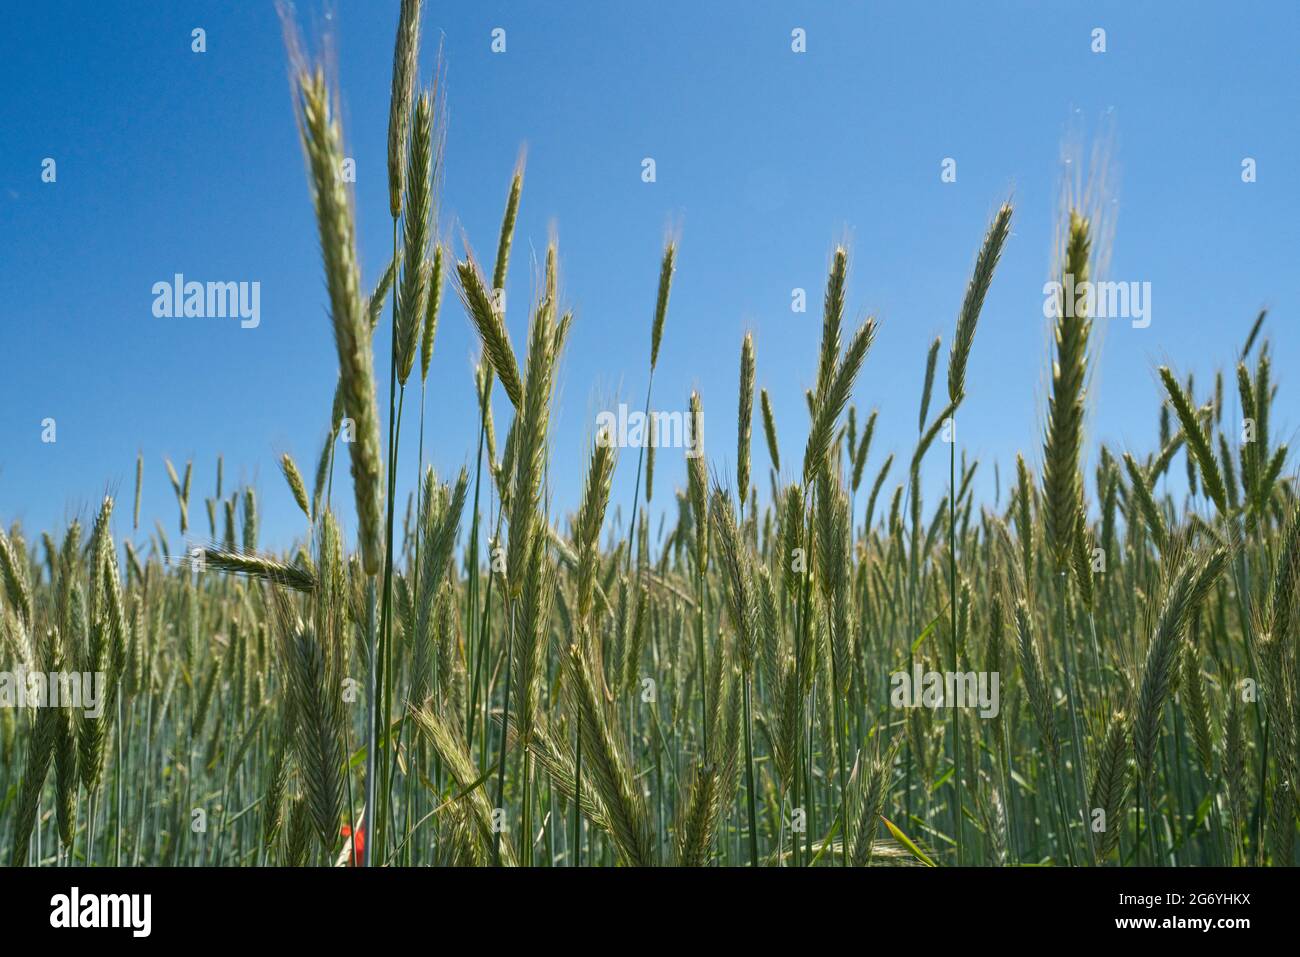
(170, 161)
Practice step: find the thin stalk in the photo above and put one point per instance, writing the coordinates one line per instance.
(636, 491)
(577, 798)
(505, 722)
(952, 604)
(371, 712)
(749, 774)
(384, 693)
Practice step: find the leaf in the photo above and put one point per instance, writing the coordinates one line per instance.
(925, 632)
(907, 842)
(942, 778)
(826, 842)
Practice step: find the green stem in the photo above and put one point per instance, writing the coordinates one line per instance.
(505, 726)
(749, 774)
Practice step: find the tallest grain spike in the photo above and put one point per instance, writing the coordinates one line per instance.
(406, 56)
(322, 142)
(1062, 450)
(661, 301)
(832, 319)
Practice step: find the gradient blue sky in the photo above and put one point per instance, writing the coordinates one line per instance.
(171, 161)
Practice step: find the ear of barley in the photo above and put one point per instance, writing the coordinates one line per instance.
(562, 331)
(504, 239)
(1160, 464)
(651, 443)
(412, 289)
(1024, 519)
(1251, 336)
(1249, 450)
(66, 780)
(1198, 709)
(406, 57)
(1264, 396)
(769, 430)
(1146, 503)
(832, 320)
(1031, 671)
(432, 306)
(323, 463)
(531, 636)
(792, 539)
(139, 484)
(490, 327)
(92, 731)
(697, 484)
(930, 434)
(769, 627)
(322, 143)
(182, 493)
(250, 520)
(745, 417)
(293, 478)
(869, 785)
(260, 567)
(1285, 578)
(530, 432)
(277, 780)
(831, 404)
(1110, 782)
(875, 488)
(1062, 448)
(1282, 811)
(1185, 591)
(864, 446)
(739, 582)
(606, 768)
(373, 306)
(834, 567)
(586, 527)
(1197, 441)
(730, 721)
(985, 263)
(1234, 766)
(314, 684)
(697, 818)
(661, 301)
(115, 612)
(927, 389)
(441, 528)
(636, 640)
(1082, 559)
(17, 590)
(40, 747)
(559, 765)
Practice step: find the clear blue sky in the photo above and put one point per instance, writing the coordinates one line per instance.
(171, 161)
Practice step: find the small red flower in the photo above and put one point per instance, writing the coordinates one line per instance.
(358, 844)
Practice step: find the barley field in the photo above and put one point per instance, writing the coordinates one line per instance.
(805, 665)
